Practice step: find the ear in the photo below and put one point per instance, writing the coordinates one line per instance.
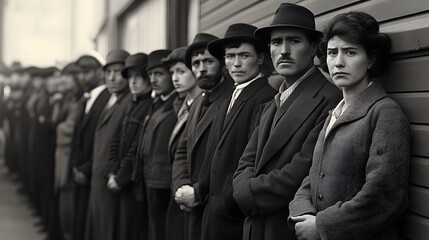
(371, 61)
(261, 58)
(314, 47)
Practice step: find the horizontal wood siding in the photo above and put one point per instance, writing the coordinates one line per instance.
(407, 81)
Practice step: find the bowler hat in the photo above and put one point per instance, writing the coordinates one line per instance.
(289, 15)
(237, 32)
(177, 55)
(87, 62)
(200, 41)
(116, 56)
(138, 61)
(70, 68)
(155, 57)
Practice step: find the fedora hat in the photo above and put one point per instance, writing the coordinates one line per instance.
(137, 61)
(241, 32)
(116, 56)
(155, 57)
(200, 41)
(289, 15)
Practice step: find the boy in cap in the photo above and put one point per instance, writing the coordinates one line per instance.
(243, 55)
(279, 153)
(91, 105)
(191, 148)
(103, 204)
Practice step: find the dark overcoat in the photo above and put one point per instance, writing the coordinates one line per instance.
(278, 157)
(357, 186)
(81, 157)
(103, 204)
(191, 149)
(222, 218)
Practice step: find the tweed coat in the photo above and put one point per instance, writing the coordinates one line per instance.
(191, 149)
(222, 218)
(278, 157)
(81, 156)
(103, 204)
(357, 185)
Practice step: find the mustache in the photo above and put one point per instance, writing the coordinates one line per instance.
(284, 59)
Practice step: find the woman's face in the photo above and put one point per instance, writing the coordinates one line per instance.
(136, 82)
(183, 79)
(348, 63)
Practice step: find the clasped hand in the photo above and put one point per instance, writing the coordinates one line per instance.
(305, 227)
(185, 197)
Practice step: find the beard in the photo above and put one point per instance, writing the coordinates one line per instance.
(208, 82)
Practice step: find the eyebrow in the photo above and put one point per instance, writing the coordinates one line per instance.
(344, 48)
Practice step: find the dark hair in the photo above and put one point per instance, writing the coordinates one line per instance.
(197, 51)
(237, 44)
(359, 28)
(140, 70)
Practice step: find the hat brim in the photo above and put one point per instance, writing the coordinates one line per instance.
(110, 63)
(264, 33)
(124, 71)
(217, 47)
(154, 66)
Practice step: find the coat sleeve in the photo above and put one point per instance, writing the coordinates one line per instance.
(113, 162)
(384, 195)
(180, 169)
(127, 171)
(302, 203)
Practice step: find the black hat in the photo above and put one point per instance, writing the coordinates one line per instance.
(177, 55)
(200, 41)
(116, 56)
(237, 32)
(155, 57)
(87, 62)
(138, 60)
(289, 15)
(70, 68)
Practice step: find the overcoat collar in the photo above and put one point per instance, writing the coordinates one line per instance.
(292, 116)
(106, 115)
(361, 105)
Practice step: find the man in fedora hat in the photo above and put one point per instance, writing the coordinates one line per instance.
(243, 55)
(279, 153)
(103, 204)
(152, 167)
(191, 148)
(91, 78)
(132, 219)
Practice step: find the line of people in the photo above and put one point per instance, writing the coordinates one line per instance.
(197, 143)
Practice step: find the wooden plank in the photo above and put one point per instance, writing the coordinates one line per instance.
(414, 105)
(319, 7)
(420, 140)
(412, 40)
(224, 12)
(415, 227)
(419, 169)
(407, 75)
(419, 199)
(211, 5)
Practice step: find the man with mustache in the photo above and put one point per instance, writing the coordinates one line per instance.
(279, 153)
(191, 148)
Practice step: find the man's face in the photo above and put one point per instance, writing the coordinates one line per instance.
(206, 69)
(136, 82)
(243, 62)
(114, 80)
(291, 52)
(160, 80)
(87, 79)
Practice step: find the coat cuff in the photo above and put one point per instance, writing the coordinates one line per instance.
(243, 195)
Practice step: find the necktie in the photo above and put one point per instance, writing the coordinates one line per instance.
(205, 105)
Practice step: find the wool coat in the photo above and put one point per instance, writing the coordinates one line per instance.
(81, 157)
(278, 157)
(222, 218)
(358, 184)
(191, 149)
(131, 212)
(103, 204)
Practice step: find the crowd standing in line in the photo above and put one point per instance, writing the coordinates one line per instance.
(198, 143)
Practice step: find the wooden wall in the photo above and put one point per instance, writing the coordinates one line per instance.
(407, 23)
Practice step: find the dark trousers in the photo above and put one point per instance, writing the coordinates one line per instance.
(81, 212)
(158, 200)
(175, 221)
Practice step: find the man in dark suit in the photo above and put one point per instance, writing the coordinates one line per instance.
(191, 149)
(243, 55)
(96, 95)
(152, 158)
(279, 153)
(103, 204)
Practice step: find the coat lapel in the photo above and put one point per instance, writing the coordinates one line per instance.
(293, 117)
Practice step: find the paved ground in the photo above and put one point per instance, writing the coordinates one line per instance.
(16, 222)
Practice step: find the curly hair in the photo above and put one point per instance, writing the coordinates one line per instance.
(358, 28)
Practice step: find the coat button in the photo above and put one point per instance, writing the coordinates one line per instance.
(320, 197)
(321, 175)
(380, 152)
